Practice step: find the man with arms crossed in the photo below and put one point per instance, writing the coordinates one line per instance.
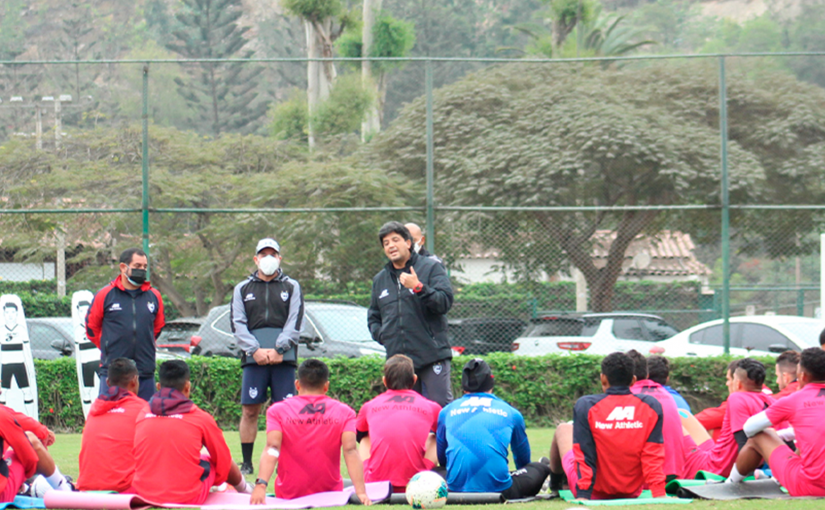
(305, 435)
(110, 427)
(802, 474)
(169, 466)
(396, 430)
(407, 315)
(615, 444)
(266, 307)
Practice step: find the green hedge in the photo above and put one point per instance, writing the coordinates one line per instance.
(544, 388)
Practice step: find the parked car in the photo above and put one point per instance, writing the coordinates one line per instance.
(756, 335)
(592, 333)
(329, 329)
(51, 337)
(177, 335)
(483, 335)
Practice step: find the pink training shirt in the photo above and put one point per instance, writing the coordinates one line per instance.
(671, 426)
(398, 423)
(741, 406)
(310, 459)
(805, 411)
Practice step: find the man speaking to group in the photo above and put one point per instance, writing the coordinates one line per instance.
(410, 299)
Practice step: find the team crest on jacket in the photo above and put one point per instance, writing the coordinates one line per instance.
(253, 392)
(151, 306)
(437, 368)
(284, 295)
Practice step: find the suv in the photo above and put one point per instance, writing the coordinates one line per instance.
(329, 329)
(483, 335)
(592, 333)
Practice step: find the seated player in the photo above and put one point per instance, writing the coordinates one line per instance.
(786, 367)
(711, 418)
(169, 466)
(802, 474)
(473, 435)
(658, 371)
(615, 444)
(396, 429)
(305, 434)
(110, 427)
(672, 426)
(746, 399)
(24, 454)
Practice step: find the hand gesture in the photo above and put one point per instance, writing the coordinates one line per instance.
(409, 280)
(261, 356)
(274, 357)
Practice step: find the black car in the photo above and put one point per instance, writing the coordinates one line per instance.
(483, 335)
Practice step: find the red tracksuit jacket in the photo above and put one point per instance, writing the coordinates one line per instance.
(618, 444)
(13, 435)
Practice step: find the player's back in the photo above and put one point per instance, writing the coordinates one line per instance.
(671, 427)
(618, 443)
(110, 427)
(398, 423)
(805, 410)
(310, 456)
(474, 433)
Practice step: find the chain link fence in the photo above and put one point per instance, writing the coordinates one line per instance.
(569, 213)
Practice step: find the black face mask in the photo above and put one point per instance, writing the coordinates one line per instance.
(136, 276)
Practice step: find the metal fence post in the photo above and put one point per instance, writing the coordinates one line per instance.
(723, 133)
(145, 164)
(430, 149)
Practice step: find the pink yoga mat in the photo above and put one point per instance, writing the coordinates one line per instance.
(215, 501)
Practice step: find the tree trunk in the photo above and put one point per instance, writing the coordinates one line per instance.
(167, 287)
(372, 119)
(320, 75)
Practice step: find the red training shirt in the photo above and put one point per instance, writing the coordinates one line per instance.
(13, 435)
(788, 390)
(398, 423)
(671, 428)
(110, 428)
(310, 457)
(805, 411)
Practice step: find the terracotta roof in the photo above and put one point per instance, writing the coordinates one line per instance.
(668, 253)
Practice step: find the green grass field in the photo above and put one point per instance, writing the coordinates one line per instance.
(65, 452)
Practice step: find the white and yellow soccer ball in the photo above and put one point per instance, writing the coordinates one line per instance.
(427, 490)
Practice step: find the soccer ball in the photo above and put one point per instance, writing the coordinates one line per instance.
(427, 490)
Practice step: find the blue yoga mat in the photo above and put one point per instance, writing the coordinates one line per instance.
(23, 502)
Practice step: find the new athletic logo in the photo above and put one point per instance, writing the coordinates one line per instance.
(314, 408)
(384, 293)
(115, 308)
(401, 399)
(622, 413)
(477, 401)
(249, 297)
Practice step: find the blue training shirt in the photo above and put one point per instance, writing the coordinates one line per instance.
(472, 438)
(681, 403)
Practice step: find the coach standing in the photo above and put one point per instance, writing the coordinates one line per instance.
(410, 299)
(125, 319)
(267, 311)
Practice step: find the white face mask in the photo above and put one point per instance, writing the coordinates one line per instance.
(269, 264)
(417, 247)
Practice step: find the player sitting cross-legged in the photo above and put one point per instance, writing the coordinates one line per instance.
(109, 428)
(305, 435)
(396, 429)
(615, 444)
(803, 474)
(169, 466)
(24, 454)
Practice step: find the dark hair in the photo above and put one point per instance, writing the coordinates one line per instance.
(812, 361)
(658, 369)
(399, 373)
(313, 374)
(787, 362)
(173, 373)
(393, 227)
(121, 371)
(822, 338)
(639, 364)
(618, 368)
(752, 369)
(127, 255)
(732, 366)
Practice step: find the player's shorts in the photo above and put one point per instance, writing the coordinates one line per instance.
(207, 481)
(259, 380)
(568, 463)
(789, 471)
(16, 477)
(697, 458)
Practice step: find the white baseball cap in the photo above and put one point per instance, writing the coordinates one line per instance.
(268, 243)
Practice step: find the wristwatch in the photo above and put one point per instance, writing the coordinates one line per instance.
(261, 481)
(418, 288)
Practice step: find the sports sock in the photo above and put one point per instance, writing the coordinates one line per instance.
(58, 481)
(735, 476)
(244, 487)
(246, 451)
(556, 481)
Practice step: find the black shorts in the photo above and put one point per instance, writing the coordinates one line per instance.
(258, 380)
(527, 481)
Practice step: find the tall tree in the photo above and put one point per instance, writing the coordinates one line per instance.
(224, 94)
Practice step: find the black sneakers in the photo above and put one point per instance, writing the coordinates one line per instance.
(246, 468)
